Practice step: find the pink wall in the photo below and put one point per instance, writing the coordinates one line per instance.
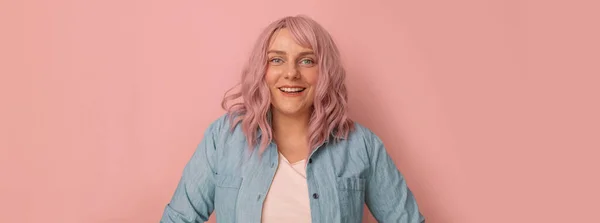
(490, 108)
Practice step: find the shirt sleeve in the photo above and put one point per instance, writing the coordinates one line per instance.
(387, 196)
(193, 200)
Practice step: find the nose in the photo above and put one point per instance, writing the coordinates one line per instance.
(292, 72)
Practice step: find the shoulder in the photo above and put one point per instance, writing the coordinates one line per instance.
(222, 125)
(364, 134)
(366, 139)
(222, 131)
(217, 124)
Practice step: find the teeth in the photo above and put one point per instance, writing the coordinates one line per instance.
(291, 90)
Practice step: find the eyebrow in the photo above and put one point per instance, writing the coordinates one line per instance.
(284, 53)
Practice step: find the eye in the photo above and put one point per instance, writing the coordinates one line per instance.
(307, 61)
(276, 60)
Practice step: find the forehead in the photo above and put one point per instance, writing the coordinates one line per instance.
(283, 40)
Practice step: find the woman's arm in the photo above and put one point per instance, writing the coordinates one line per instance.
(387, 195)
(193, 200)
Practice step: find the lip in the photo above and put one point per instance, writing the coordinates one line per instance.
(291, 86)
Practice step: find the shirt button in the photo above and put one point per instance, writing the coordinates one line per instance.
(309, 160)
(316, 196)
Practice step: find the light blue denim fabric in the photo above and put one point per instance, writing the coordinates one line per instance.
(225, 176)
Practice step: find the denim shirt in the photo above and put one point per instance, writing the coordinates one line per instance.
(342, 176)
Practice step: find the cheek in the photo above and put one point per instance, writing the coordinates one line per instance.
(311, 77)
(271, 77)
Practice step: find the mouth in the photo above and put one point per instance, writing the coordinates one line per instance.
(292, 90)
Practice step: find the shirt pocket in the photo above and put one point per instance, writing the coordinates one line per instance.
(226, 196)
(351, 193)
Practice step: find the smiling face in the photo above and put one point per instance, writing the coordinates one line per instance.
(291, 75)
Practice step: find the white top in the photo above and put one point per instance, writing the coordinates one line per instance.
(288, 199)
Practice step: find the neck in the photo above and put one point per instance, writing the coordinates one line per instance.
(290, 126)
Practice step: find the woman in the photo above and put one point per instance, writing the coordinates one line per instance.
(289, 152)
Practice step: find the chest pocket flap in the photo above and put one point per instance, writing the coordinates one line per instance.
(351, 183)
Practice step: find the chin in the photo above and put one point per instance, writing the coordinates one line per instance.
(291, 111)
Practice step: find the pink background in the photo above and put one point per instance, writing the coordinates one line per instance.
(490, 108)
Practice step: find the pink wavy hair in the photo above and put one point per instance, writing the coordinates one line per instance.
(329, 112)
